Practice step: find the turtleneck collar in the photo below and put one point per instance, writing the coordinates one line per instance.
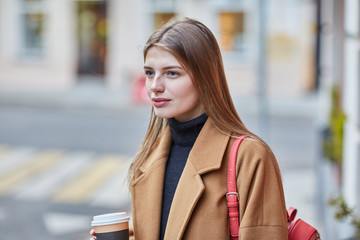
(185, 133)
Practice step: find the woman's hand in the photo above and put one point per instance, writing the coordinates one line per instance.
(92, 233)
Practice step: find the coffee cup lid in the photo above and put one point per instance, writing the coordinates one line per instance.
(110, 218)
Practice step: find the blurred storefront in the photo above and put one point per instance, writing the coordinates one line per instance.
(56, 44)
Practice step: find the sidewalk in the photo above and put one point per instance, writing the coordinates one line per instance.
(99, 97)
(83, 96)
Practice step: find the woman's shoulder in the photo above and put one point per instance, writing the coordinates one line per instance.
(253, 148)
(256, 155)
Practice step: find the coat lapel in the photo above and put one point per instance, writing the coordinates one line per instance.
(147, 191)
(205, 156)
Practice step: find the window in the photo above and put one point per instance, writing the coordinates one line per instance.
(33, 19)
(231, 31)
(92, 25)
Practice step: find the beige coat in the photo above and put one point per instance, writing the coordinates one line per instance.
(199, 208)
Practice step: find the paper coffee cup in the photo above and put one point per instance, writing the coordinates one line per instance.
(111, 226)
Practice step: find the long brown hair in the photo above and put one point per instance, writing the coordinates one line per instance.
(196, 48)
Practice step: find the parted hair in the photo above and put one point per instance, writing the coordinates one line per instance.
(196, 48)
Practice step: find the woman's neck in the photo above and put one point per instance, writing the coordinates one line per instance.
(185, 133)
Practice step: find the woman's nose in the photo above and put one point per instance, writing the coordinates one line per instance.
(157, 84)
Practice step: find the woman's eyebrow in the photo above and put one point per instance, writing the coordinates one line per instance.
(165, 68)
(172, 67)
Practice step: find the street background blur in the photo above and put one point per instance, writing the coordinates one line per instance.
(73, 110)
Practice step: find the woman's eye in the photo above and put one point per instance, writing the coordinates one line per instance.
(172, 74)
(149, 73)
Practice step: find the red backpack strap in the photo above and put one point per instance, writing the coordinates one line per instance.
(232, 195)
(291, 213)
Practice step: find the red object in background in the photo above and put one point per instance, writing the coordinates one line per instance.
(139, 94)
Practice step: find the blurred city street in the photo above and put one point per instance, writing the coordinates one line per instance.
(88, 148)
(73, 109)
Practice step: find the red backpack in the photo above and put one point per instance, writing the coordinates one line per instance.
(297, 229)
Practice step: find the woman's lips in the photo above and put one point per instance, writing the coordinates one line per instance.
(160, 102)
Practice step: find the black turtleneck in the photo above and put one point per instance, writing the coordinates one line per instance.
(184, 135)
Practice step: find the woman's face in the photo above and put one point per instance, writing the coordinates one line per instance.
(170, 87)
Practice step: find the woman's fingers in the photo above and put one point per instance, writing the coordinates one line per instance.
(92, 233)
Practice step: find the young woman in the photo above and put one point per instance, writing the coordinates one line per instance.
(178, 179)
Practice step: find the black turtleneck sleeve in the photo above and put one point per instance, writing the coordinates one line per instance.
(184, 135)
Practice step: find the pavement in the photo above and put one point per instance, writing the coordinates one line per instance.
(84, 96)
(300, 185)
(94, 95)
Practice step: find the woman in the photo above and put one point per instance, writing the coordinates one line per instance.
(178, 179)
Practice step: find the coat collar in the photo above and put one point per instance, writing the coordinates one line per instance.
(205, 156)
(208, 150)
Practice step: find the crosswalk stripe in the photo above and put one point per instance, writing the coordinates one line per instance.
(68, 177)
(43, 186)
(79, 189)
(40, 163)
(115, 192)
(14, 158)
(60, 224)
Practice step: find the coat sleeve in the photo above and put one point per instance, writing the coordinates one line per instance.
(262, 204)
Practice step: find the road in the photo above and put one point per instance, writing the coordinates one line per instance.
(74, 129)
(60, 166)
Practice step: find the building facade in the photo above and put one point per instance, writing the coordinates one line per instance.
(351, 104)
(340, 64)
(57, 44)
